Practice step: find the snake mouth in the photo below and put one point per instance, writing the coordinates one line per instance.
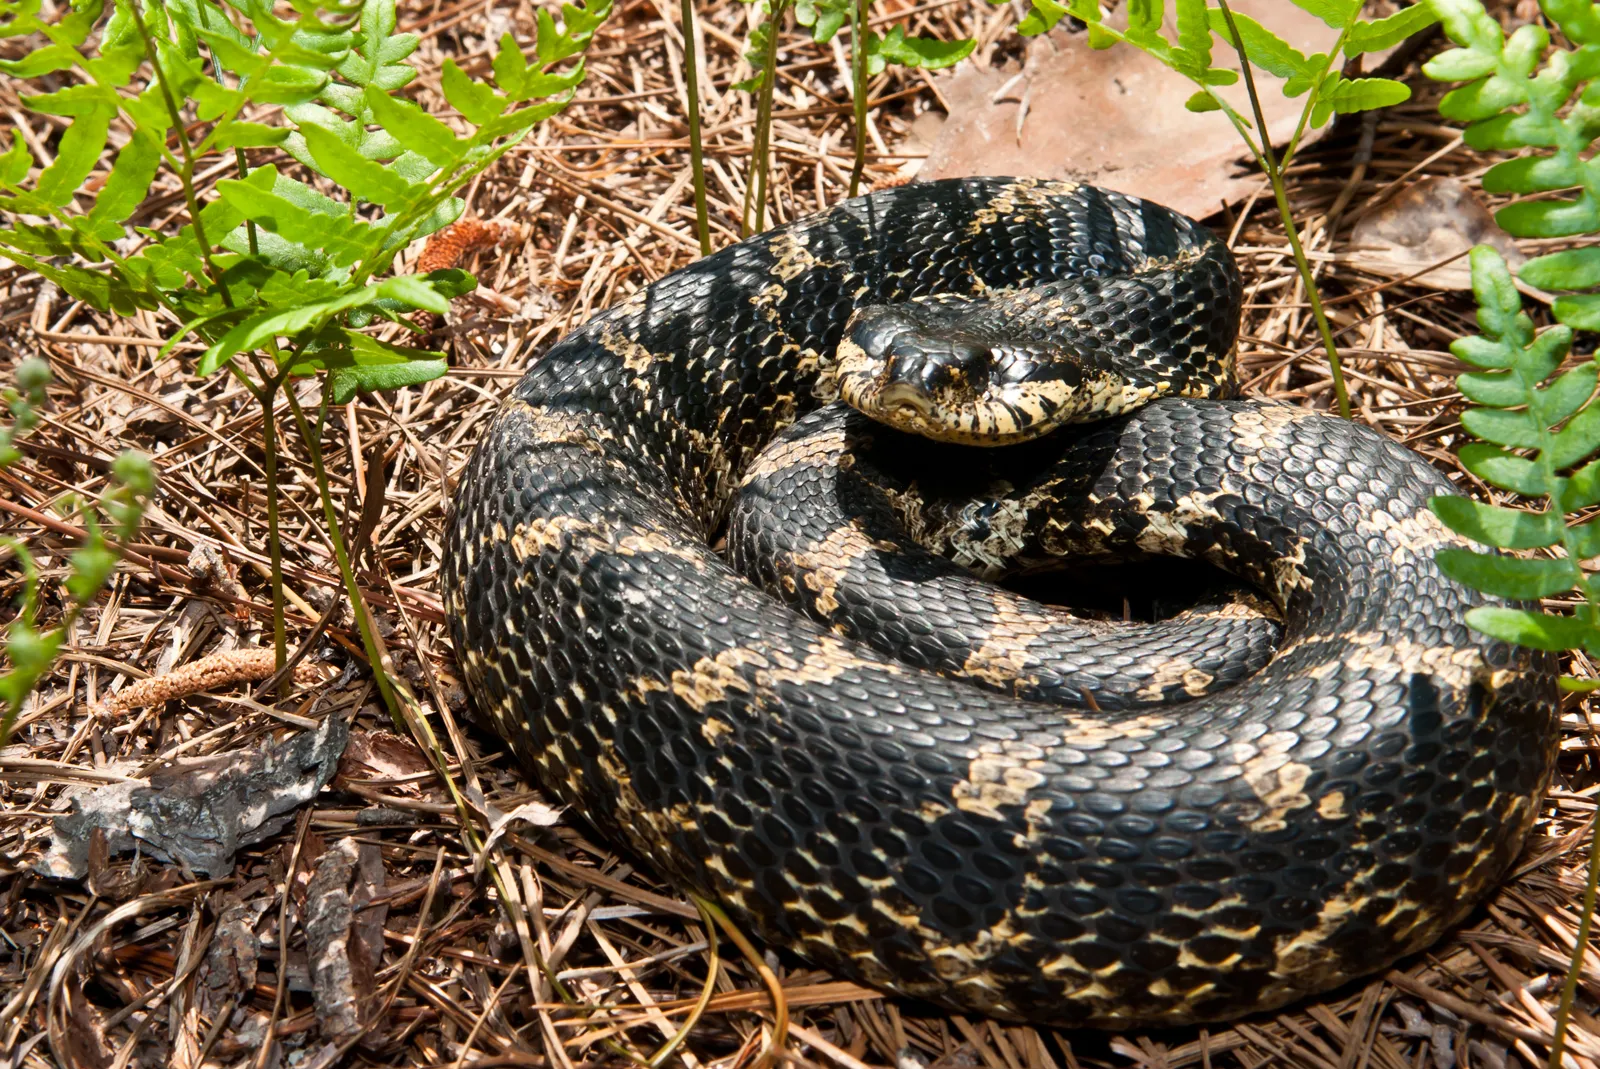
(903, 397)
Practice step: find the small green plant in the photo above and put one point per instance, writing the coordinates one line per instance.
(30, 651)
(825, 18)
(1535, 430)
(1532, 435)
(1319, 78)
(1537, 425)
(278, 273)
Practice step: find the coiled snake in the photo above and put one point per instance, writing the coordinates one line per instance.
(1206, 832)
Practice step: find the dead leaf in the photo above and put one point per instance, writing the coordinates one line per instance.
(1427, 223)
(198, 812)
(380, 758)
(1116, 118)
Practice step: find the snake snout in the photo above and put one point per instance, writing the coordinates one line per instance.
(935, 365)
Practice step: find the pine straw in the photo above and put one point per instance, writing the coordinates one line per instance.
(146, 965)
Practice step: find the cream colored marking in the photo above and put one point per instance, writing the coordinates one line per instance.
(1288, 572)
(824, 564)
(1241, 605)
(794, 259)
(1167, 532)
(1414, 537)
(1176, 672)
(547, 427)
(535, 536)
(1281, 789)
(1457, 667)
(931, 810)
(766, 298)
(1309, 950)
(635, 357)
(822, 451)
(655, 542)
(1331, 806)
(1261, 427)
(1001, 661)
(713, 729)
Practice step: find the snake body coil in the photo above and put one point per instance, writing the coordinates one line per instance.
(1261, 841)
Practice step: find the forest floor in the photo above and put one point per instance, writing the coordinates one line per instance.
(148, 964)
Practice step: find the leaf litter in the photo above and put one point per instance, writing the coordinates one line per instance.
(368, 930)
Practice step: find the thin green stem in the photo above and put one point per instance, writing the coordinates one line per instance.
(1275, 177)
(269, 435)
(313, 440)
(858, 88)
(691, 82)
(1311, 97)
(763, 132)
(186, 171)
(249, 224)
(265, 394)
(1569, 987)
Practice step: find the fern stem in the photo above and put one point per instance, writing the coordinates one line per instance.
(1269, 163)
(858, 88)
(269, 435)
(186, 172)
(763, 136)
(358, 605)
(249, 224)
(769, 979)
(1316, 87)
(1569, 987)
(691, 82)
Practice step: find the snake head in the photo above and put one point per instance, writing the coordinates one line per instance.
(919, 367)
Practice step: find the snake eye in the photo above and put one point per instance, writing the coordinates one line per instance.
(929, 363)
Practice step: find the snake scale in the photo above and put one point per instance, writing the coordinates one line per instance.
(1203, 834)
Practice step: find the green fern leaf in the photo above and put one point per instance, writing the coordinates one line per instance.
(1512, 578)
(824, 17)
(1336, 13)
(1044, 14)
(364, 178)
(1505, 470)
(1496, 526)
(1193, 53)
(42, 61)
(1379, 34)
(478, 103)
(1576, 441)
(1536, 630)
(344, 240)
(1263, 47)
(366, 365)
(416, 129)
(378, 53)
(15, 164)
(76, 155)
(1566, 394)
(129, 182)
(1515, 429)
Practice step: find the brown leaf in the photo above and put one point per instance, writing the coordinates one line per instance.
(1423, 225)
(1116, 118)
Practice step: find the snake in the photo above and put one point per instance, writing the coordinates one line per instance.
(876, 757)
